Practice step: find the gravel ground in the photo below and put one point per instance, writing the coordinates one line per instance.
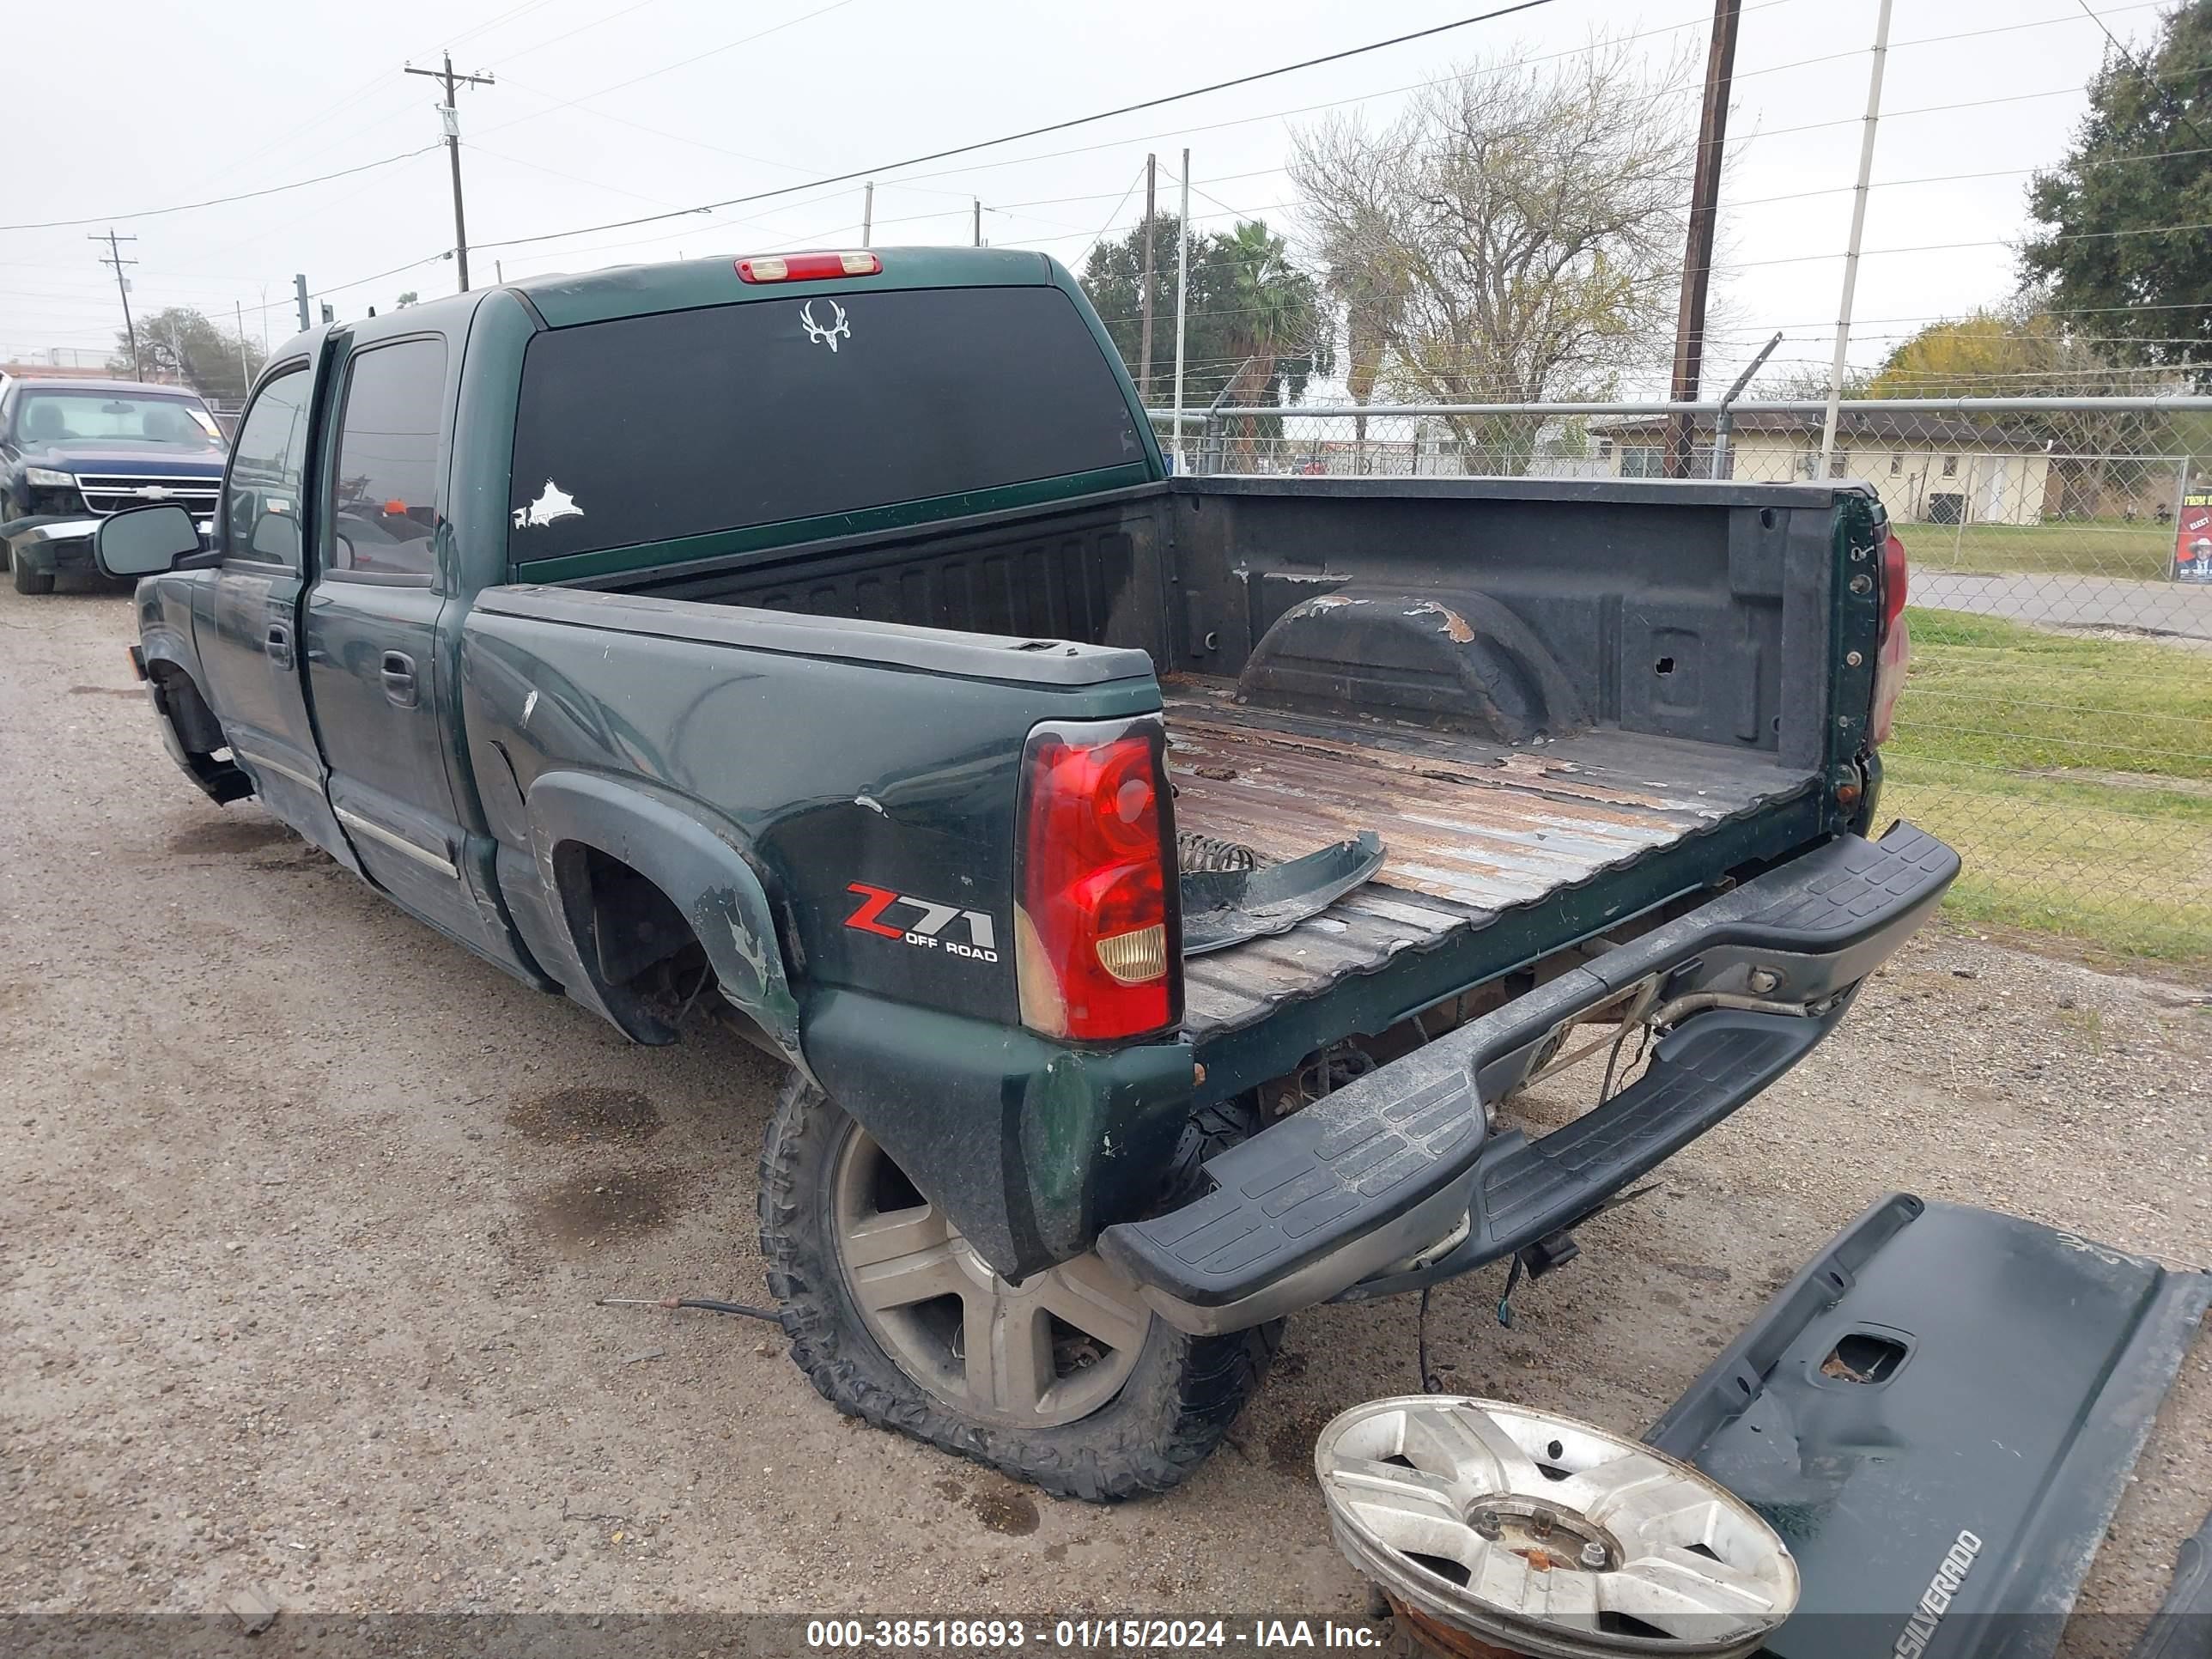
(306, 1211)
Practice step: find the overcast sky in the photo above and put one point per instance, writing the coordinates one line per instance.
(609, 109)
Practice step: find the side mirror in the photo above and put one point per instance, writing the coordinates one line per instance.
(142, 541)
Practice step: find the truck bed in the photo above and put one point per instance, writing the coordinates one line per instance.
(1699, 692)
(1473, 829)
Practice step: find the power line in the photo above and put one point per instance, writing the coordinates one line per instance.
(493, 22)
(219, 201)
(681, 63)
(1522, 63)
(1669, 28)
(2142, 68)
(1085, 150)
(1035, 132)
(1939, 109)
(593, 23)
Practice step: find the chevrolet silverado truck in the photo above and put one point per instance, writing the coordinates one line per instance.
(1158, 888)
(72, 451)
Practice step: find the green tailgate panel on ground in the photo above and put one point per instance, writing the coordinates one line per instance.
(1939, 1415)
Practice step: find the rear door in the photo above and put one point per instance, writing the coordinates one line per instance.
(371, 626)
(246, 622)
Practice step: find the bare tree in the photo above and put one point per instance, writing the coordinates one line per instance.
(1516, 235)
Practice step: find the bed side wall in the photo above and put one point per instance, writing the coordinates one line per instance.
(1685, 611)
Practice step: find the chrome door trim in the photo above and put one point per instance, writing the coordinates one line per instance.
(399, 843)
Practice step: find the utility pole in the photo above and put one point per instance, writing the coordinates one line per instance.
(1858, 228)
(451, 118)
(122, 289)
(1697, 257)
(300, 294)
(979, 221)
(1182, 303)
(245, 374)
(868, 215)
(1145, 305)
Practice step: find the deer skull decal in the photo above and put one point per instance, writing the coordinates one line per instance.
(838, 330)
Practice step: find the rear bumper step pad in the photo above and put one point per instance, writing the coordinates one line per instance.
(1362, 1180)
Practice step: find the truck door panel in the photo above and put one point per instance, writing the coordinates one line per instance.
(245, 619)
(370, 628)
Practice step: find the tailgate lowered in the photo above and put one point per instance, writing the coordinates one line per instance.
(1331, 1200)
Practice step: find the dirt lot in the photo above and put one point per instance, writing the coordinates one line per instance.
(305, 1211)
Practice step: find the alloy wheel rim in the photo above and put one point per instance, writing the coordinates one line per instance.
(1047, 1350)
(1546, 1535)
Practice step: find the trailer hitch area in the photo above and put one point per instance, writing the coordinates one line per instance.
(1656, 1005)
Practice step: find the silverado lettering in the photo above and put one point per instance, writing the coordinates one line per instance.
(1935, 1599)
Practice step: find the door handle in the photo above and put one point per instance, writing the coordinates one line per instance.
(279, 646)
(399, 677)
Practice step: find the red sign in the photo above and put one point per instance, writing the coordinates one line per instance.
(2192, 539)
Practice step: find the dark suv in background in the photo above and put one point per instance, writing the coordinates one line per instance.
(72, 451)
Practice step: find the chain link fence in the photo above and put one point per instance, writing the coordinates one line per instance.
(2057, 727)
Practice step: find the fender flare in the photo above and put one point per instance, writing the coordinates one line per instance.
(704, 869)
(164, 647)
(166, 652)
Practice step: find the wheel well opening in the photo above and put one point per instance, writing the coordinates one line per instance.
(197, 726)
(199, 734)
(642, 953)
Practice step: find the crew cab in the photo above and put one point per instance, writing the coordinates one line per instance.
(74, 450)
(1157, 889)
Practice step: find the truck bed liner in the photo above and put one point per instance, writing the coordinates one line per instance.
(1473, 828)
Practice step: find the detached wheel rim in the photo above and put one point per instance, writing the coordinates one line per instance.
(1050, 1349)
(1547, 1535)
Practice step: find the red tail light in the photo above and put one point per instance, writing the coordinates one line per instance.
(807, 267)
(1097, 929)
(1894, 577)
(1896, 650)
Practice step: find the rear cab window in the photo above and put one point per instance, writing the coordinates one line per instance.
(385, 482)
(653, 428)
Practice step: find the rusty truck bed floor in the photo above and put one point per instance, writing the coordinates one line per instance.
(1472, 827)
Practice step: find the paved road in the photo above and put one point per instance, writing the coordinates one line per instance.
(2067, 601)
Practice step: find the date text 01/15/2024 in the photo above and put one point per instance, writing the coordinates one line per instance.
(1086, 1635)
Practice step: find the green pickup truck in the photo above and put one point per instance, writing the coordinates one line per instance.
(1157, 887)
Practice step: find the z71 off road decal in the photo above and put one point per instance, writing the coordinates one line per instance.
(927, 930)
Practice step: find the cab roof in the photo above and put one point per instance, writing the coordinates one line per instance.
(635, 290)
(113, 388)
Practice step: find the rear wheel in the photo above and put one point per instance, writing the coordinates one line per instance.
(1063, 1379)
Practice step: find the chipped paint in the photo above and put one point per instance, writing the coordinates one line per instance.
(871, 803)
(529, 706)
(1454, 625)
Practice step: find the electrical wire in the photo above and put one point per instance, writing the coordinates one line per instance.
(682, 62)
(1033, 132)
(1112, 216)
(220, 201)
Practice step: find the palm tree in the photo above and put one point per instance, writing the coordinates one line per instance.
(1276, 315)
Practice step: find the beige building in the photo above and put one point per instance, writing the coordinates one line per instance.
(1928, 469)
